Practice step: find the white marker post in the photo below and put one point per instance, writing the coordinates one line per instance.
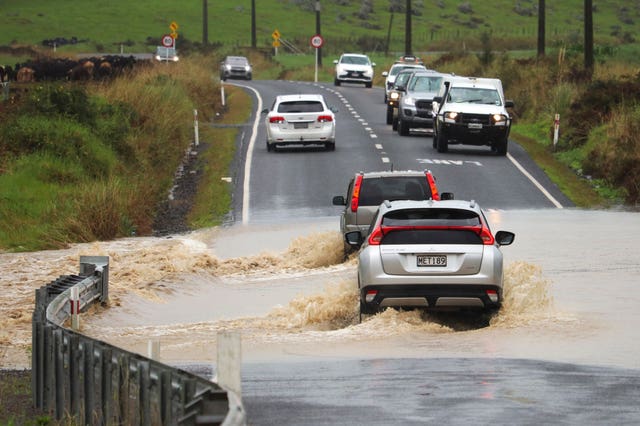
(75, 308)
(153, 350)
(556, 130)
(195, 127)
(229, 362)
(222, 94)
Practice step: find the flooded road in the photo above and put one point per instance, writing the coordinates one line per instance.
(570, 296)
(569, 322)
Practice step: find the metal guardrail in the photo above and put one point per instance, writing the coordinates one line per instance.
(95, 383)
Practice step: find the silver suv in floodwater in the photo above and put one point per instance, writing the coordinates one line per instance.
(367, 190)
(435, 255)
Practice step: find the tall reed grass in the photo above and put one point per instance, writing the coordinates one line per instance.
(94, 164)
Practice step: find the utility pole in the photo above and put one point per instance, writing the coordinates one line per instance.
(407, 33)
(205, 22)
(318, 31)
(541, 28)
(588, 35)
(253, 24)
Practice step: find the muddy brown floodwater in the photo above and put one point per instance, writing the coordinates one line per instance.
(570, 295)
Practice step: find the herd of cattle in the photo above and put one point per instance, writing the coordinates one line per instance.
(55, 69)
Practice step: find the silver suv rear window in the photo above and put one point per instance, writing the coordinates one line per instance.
(431, 217)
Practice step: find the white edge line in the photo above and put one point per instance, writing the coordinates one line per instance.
(535, 182)
(247, 163)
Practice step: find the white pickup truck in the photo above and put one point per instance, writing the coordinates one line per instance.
(471, 111)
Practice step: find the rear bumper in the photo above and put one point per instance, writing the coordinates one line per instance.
(432, 297)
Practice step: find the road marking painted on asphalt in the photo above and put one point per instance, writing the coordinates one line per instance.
(373, 136)
(385, 159)
(447, 162)
(535, 182)
(378, 146)
(247, 163)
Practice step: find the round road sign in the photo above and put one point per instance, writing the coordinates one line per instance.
(317, 41)
(167, 40)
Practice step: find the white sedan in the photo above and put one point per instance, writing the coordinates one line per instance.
(300, 120)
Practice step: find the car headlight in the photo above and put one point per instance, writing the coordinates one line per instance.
(499, 119)
(409, 101)
(450, 117)
(247, 68)
(227, 67)
(394, 96)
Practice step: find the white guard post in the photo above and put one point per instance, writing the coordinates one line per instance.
(195, 126)
(556, 130)
(75, 308)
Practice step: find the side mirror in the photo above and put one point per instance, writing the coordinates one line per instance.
(373, 64)
(401, 88)
(339, 200)
(265, 111)
(504, 238)
(335, 61)
(333, 109)
(437, 99)
(354, 239)
(384, 73)
(509, 104)
(446, 196)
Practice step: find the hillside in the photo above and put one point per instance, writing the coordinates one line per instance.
(108, 26)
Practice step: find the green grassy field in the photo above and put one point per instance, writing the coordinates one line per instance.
(436, 24)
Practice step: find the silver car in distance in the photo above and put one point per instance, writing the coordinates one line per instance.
(435, 255)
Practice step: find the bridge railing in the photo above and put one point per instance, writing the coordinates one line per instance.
(95, 383)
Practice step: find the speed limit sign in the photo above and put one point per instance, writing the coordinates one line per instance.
(317, 41)
(167, 41)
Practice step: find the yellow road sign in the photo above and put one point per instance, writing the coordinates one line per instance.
(275, 34)
(174, 35)
(276, 43)
(173, 26)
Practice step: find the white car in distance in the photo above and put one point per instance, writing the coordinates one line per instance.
(302, 119)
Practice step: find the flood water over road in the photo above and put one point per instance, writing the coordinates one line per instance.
(571, 300)
(570, 296)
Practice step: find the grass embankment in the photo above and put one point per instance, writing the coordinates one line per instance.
(92, 163)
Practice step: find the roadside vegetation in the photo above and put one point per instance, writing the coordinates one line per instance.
(92, 162)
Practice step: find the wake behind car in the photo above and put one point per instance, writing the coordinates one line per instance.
(354, 68)
(302, 119)
(434, 255)
(235, 67)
